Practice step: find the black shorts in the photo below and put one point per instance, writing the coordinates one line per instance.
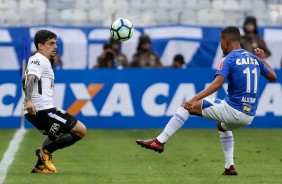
(52, 121)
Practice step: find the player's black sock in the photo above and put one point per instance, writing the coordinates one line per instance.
(48, 140)
(39, 162)
(63, 141)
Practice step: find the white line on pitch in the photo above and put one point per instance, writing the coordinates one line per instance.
(10, 153)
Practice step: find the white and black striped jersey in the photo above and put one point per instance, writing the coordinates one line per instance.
(42, 94)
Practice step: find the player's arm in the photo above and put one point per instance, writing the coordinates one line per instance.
(271, 76)
(213, 87)
(30, 80)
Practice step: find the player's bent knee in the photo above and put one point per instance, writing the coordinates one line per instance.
(219, 127)
(82, 131)
(79, 129)
(184, 107)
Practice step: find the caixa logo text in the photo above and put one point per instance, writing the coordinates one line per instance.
(120, 99)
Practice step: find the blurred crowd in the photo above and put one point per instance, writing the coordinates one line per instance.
(145, 57)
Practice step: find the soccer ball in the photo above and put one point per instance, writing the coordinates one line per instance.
(121, 29)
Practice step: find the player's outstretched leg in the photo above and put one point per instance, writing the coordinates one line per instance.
(152, 144)
(175, 123)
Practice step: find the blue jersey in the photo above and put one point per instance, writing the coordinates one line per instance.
(242, 70)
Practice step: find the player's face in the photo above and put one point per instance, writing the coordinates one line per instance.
(49, 48)
(223, 44)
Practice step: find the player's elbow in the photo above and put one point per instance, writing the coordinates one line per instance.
(273, 78)
(218, 82)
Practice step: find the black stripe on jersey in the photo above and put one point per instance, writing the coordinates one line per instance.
(40, 87)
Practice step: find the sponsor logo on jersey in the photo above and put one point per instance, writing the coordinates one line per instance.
(35, 63)
(219, 67)
(247, 108)
(247, 61)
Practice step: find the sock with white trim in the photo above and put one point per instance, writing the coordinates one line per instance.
(227, 142)
(175, 123)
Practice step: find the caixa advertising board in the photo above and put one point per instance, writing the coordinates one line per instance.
(133, 98)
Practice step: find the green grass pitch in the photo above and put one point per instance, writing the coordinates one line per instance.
(190, 156)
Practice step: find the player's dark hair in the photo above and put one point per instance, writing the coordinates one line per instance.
(232, 33)
(43, 36)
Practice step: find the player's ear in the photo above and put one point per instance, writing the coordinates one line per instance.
(40, 46)
(226, 41)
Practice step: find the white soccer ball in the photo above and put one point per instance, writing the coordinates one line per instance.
(122, 29)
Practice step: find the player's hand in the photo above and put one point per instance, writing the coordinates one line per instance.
(30, 107)
(260, 53)
(190, 104)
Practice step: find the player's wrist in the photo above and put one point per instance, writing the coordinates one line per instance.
(27, 100)
(196, 97)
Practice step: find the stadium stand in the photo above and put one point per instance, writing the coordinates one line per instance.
(74, 17)
(170, 4)
(88, 4)
(52, 16)
(143, 12)
(197, 4)
(211, 17)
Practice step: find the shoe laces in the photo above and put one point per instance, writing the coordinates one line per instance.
(50, 158)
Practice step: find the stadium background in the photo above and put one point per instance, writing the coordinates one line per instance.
(190, 27)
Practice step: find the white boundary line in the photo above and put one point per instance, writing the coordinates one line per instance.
(9, 155)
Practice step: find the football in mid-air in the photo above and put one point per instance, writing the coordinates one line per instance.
(121, 29)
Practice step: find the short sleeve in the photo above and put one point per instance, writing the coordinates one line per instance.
(223, 67)
(35, 67)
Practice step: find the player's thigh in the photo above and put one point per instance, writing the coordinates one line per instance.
(66, 121)
(79, 129)
(37, 122)
(54, 121)
(220, 111)
(213, 108)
